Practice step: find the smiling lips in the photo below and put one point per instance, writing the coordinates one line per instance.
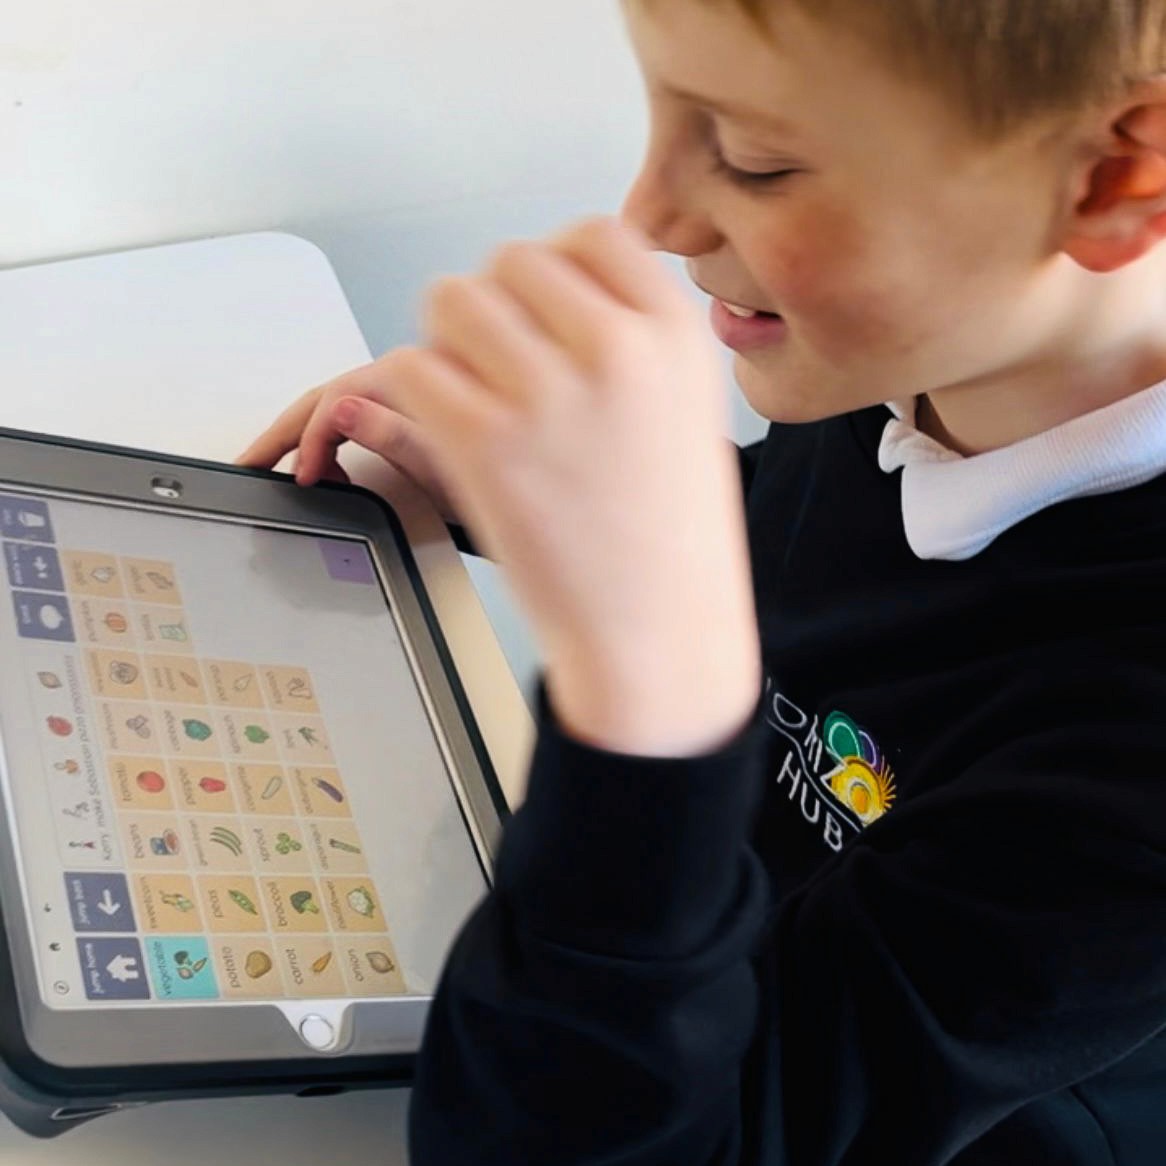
(741, 328)
(748, 313)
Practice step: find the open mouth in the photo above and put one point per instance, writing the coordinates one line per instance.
(749, 313)
(741, 328)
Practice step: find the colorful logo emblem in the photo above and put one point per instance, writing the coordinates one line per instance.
(864, 784)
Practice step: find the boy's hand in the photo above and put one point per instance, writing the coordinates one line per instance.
(574, 404)
(354, 407)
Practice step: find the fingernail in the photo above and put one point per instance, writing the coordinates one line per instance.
(344, 414)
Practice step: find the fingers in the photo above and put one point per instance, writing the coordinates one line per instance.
(283, 435)
(320, 438)
(562, 300)
(319, 443)
(336, 473)
(481, 327)
(441, 396)
(620, 259)
(514, 331)
(394, 438)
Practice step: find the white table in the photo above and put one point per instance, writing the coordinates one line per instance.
(193, 349)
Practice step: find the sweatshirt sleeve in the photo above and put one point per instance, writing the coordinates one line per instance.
(748, 457)
(598, 1004)
(461, 539)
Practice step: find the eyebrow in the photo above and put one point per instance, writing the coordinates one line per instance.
(730, 109)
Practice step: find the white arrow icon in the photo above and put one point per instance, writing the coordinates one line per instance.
(107, 904)
(41, 565)
(123, 968)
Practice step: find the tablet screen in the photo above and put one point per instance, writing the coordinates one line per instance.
(221, 777)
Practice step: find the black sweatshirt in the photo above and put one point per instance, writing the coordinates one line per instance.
(915, 914)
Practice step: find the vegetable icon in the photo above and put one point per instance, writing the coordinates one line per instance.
(139, 725)
(286, 844)
(326, 787)
(362, 902)
(243, 902)
(186, 969)
(197, 730)
(123, 672)
(166, 844)
(227, 839)
(150, 782)
(303, 903)
(258, 964)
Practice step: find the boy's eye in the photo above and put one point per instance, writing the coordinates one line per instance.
(747, 178)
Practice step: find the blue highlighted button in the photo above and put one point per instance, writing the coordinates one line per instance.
(43, 616)
(99, 901)
(181, 969)
(33, 565)
(25, 518)
(112, 969)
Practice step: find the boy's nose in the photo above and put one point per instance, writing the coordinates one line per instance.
(677, 229)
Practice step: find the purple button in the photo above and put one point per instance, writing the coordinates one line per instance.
(25, 518)
(113, 969)
(347, 562)
(33, 565)
(43, 617)
(99, 901)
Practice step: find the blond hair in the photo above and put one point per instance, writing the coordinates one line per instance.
(1003, 62)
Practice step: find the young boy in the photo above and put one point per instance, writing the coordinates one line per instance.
(910, 909)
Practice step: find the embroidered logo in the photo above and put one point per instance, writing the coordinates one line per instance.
(835, 772)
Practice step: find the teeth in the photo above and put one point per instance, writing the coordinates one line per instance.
(744, 313)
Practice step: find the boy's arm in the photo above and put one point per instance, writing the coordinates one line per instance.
(991, 942)
(601, 998)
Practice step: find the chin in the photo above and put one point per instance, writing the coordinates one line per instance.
(784, 396)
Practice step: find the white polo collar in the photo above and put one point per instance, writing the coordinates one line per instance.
(955, 506)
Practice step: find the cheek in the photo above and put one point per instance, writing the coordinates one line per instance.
(848, 292)
(822, 274)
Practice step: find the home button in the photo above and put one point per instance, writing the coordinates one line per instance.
(317, 1033)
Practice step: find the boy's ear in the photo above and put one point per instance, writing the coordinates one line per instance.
(1120, 214)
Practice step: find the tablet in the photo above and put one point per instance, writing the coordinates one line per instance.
(245, 806)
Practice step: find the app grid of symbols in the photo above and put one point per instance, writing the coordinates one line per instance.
(206, 837)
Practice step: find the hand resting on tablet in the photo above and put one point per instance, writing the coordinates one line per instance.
(353, 407)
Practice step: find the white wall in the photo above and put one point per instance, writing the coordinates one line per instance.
(404, 137)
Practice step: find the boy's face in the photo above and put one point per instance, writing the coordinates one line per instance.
(902, 256)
